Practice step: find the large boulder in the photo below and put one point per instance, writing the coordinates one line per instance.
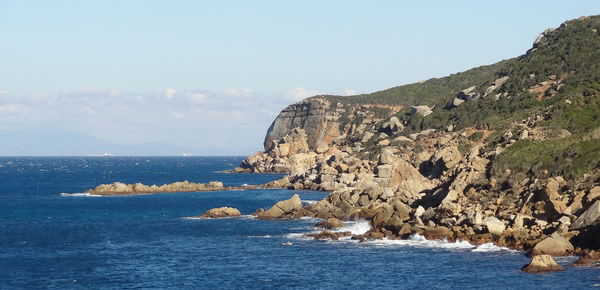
(494, 225)
(447, 157)
(554, 245)
(542, 263)
(386, 156)
(282, 209)
(589, 217)
(438, 233)
(392, 126)
(220, 212)
(408, 178)
(421, 110)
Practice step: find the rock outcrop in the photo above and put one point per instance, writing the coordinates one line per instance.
(554, 245)
(542, 263)
(220, 212)
(313, 116)
(118, 188)
(283, 209)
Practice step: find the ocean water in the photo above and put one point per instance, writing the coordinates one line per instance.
(52, 237)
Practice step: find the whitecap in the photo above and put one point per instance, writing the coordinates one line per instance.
(79, 194)
(489, 247)
(356, 228)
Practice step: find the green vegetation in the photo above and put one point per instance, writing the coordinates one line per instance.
(572, 52)
(563, 67)
(570, 157)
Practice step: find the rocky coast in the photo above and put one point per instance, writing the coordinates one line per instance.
(499, 154)
(506, 154)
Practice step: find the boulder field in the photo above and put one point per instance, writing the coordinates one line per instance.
(436, 184)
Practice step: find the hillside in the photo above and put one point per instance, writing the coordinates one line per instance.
(507, 153)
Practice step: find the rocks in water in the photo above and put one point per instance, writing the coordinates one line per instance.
(591, 257)
(542, 263)
(326, 234)
(331, 223)
(494, 225)
(119, 188)
(554, 245)
(589, 217)
(220, 212)
(282, 209)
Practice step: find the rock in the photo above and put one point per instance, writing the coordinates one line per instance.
(366, 137)
(384, 142)
(386, 156)
(542, 263)
(593, 194)
(554, 245)
(384, 171)
(494, 225)
(282, 209)
(310, 115)
(589, 217)
(347, 178)
(454, 103)
(439, 233)
(447, 157)
(421, 110)
(322, 149)
(419, 211)
(588, 258)
(331, 223)
(392, 126)
(118, 188)
(220, 212)
(330, 235)
(408, 178)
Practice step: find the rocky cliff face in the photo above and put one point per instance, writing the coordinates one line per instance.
(313, 115)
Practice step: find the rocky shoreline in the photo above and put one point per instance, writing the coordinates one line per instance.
(438, 185)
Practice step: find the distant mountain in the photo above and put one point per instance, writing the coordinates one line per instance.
(59, 143)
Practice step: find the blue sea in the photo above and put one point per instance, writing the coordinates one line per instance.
(51, 236)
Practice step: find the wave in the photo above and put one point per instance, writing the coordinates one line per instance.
(356, 228)
(309, 201)
(79, 194)
(362, 226)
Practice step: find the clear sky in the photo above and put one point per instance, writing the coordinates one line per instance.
(212, 75)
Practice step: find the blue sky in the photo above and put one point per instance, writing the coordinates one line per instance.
(212, 75)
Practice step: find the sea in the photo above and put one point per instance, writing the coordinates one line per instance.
(54, 236)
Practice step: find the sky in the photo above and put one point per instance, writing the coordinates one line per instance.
(209, 77)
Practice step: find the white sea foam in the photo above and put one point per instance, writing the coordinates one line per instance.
(79, 194)
(299, 236)
(308, 201)
(489, 247)
(356, 228)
